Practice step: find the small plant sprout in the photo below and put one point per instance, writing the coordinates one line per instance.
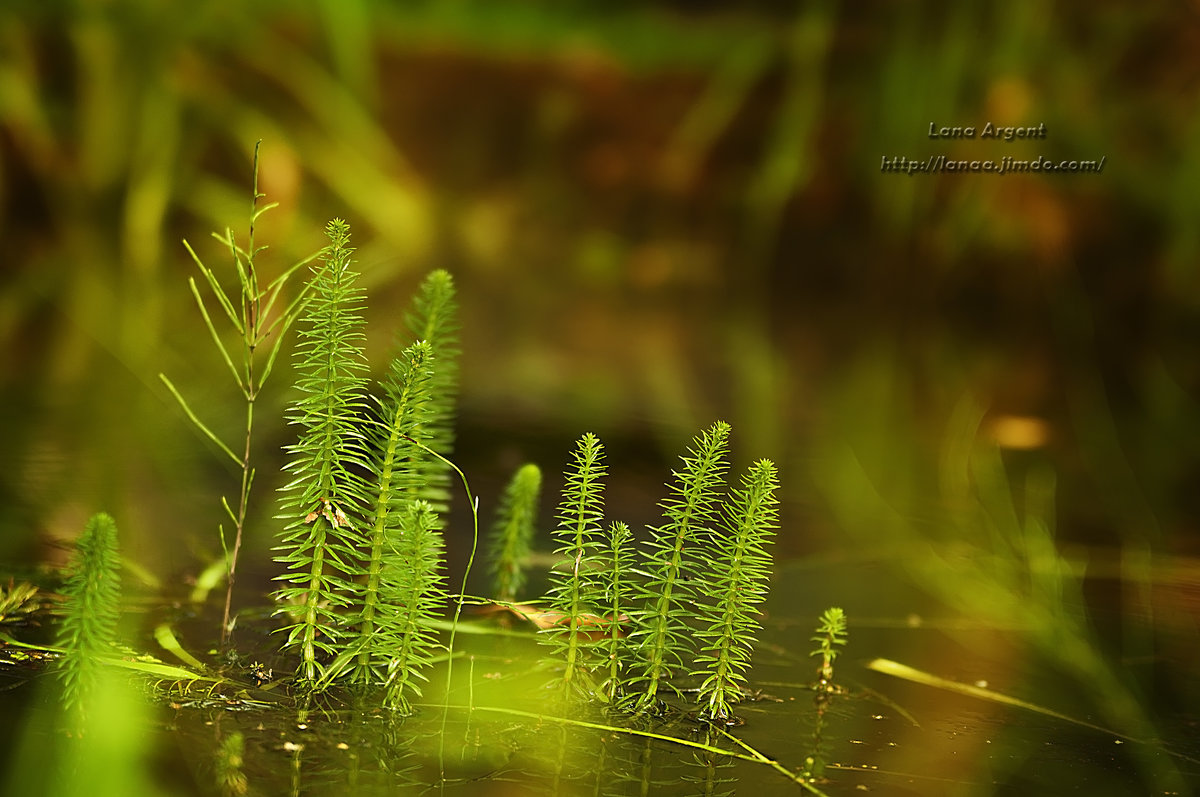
(830, 638)
(615, 582)
(574, 592)
(512, 535)
(739, 575)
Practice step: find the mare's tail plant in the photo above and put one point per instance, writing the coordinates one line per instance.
(395, 474)
(434, 318)
(674, 566)
(616, 587)
(324, 497)
(830, 637)
(93, 597)
(413, 591)
(254, 320)
(512, 535)
(573, 589)
(739, 573)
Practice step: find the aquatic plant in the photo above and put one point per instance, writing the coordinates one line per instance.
(325, 496)
(254, 319)
(574, 590)
(674, 567)
(615, 584)
(830, 637)
(413, 596)
(737, 580)
(394, 464)
(92, 598)
(511, 540)
(434, 318)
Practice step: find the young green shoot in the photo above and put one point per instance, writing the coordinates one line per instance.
(254, 320)
(674, 566)
(92, 595)
(738, 579)
(573, 591)
(830, 637)
(511, 540)
(324, 499)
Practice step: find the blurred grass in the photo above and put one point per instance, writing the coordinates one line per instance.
(659, 215)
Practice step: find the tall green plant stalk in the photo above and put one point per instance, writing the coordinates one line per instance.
(92, 595)
(414, 593)
(738, 579)
(674, 568)
(324, 499)
(573, 589)
(395, 466)
(615, 582)
(254, 320)
(511, 540)
(434, 318)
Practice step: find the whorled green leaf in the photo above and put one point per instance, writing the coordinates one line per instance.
(511, 539)
(738, 578)
(575, 594)
(664, 637)
(92, 598)
(434, 318)
(324, 499)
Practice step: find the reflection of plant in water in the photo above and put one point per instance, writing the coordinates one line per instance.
(231, 779)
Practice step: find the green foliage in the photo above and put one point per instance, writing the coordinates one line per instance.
(434, 318)
(675, 568)
(325, 497)
(615, 582)
(412, 592)
(738, 579)
(92, 595)
(575, 592)
(17, 602)
(396, 475)
(255, 320)
(512, 535)
(830, 638)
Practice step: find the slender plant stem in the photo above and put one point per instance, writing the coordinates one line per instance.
(251, 305)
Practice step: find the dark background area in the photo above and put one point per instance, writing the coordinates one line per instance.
(657, 214)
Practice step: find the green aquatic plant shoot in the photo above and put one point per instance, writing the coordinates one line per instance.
(675, 569)
(322, 501)
(414, 596)
(511, 540)
(434, 318)
(573, 589)
(615, 582)
(254, 319)
(396, 474)
(830, 637)
(738, 578)
(91, 607)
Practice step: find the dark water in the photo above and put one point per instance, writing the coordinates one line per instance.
(501, 733)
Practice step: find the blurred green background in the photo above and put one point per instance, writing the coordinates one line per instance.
(657, 214)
